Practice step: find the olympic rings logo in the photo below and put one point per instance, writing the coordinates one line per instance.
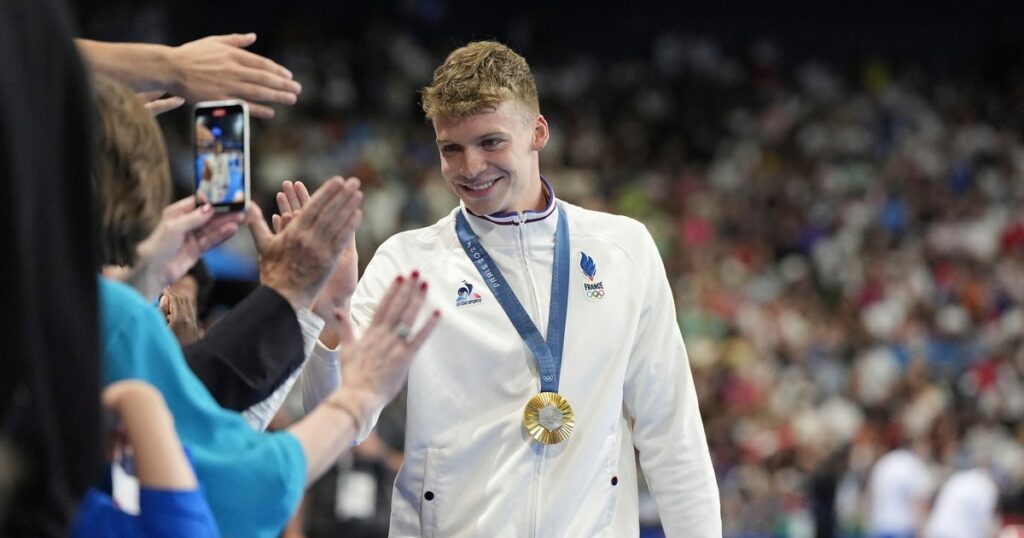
(595, 294)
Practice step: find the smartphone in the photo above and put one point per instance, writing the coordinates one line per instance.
(220, 149)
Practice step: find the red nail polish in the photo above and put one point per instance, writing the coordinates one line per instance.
(400, 279)
(437, 313)
(423, 286)
(415, 274)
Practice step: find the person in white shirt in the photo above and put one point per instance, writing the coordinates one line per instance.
(899, 488)
(965, 506)
(560, 355)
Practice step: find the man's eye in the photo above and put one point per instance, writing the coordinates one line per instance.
(449, 148)
(491, 142)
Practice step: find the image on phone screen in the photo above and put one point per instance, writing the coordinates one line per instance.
(220, 160)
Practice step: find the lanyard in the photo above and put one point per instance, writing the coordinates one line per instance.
(547, 353)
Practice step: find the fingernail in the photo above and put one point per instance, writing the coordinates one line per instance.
(207, 208)
(423, 286)
(400, 279)
(415, 274)
(437, 313)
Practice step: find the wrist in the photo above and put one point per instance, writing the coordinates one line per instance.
(349, 404)
(297, 299)
(169, 74)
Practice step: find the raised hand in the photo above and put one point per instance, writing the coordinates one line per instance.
(298, 261)
(183, 234)
(375, 367)
(337, 292)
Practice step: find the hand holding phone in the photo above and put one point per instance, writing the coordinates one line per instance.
(220, 146)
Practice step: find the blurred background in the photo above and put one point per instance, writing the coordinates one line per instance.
(837, 191)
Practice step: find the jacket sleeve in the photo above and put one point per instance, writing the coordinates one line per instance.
(259, 415)
(252, 350)
(661, 403)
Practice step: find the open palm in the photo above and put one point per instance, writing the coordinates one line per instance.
(333, 300)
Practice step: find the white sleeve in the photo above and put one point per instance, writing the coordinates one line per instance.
(661, 401)
(320, 377)
(261, 413)
(322, 373)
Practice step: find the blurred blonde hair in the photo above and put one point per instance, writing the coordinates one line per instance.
(131, 173)
(479, 77)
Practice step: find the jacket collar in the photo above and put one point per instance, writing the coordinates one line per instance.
(503, 228)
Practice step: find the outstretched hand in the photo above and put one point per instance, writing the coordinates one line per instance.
(218, 67)
(375, 367)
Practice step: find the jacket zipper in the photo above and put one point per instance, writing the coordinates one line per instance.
(536, 494)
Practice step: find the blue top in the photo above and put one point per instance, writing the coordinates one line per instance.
(161, 513)
(253, 480)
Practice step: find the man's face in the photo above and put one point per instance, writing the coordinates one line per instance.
(490, 159)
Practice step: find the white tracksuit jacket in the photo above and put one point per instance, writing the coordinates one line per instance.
(470, 468)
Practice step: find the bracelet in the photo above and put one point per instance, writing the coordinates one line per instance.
(341, 406)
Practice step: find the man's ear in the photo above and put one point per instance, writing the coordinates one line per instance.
(540, 133)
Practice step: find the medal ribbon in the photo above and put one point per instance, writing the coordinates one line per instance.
(547, 353)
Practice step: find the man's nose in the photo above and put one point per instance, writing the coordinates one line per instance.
(473, 165)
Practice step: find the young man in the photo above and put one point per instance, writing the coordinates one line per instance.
(525, 409)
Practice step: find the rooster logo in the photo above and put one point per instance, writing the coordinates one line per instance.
(466, 295)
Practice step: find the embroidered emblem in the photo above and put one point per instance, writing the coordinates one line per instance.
(593, 290)
(466, 296)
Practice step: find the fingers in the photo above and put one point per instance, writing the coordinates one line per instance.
(260, 71)
(411, 310)
(348, 232)
(398, 298)
(260, 111)
(159, 106)
(292, 199)
(261, 234)
(344, 224)
(146, 97)
(235, 40)
(283, 205)
(275, 221)
(384, 308)
(254, 92)
(338, 210)
(215, 233)
(301, 193)
(256, 61)
(417, 341)
(320, 200)
(180, 207)
(194, 219)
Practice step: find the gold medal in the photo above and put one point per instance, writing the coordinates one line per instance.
(548, 418)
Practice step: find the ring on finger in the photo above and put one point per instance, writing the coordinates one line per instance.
(403, 330)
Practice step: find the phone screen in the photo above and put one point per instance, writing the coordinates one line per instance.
(221, 147)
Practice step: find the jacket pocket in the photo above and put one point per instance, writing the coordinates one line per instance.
(609, 480)
(432, 497)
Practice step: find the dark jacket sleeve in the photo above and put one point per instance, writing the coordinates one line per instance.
(246, 355)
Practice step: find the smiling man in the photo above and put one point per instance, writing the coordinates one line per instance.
(559, 354)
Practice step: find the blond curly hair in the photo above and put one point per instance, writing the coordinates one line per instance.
(479, 77)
